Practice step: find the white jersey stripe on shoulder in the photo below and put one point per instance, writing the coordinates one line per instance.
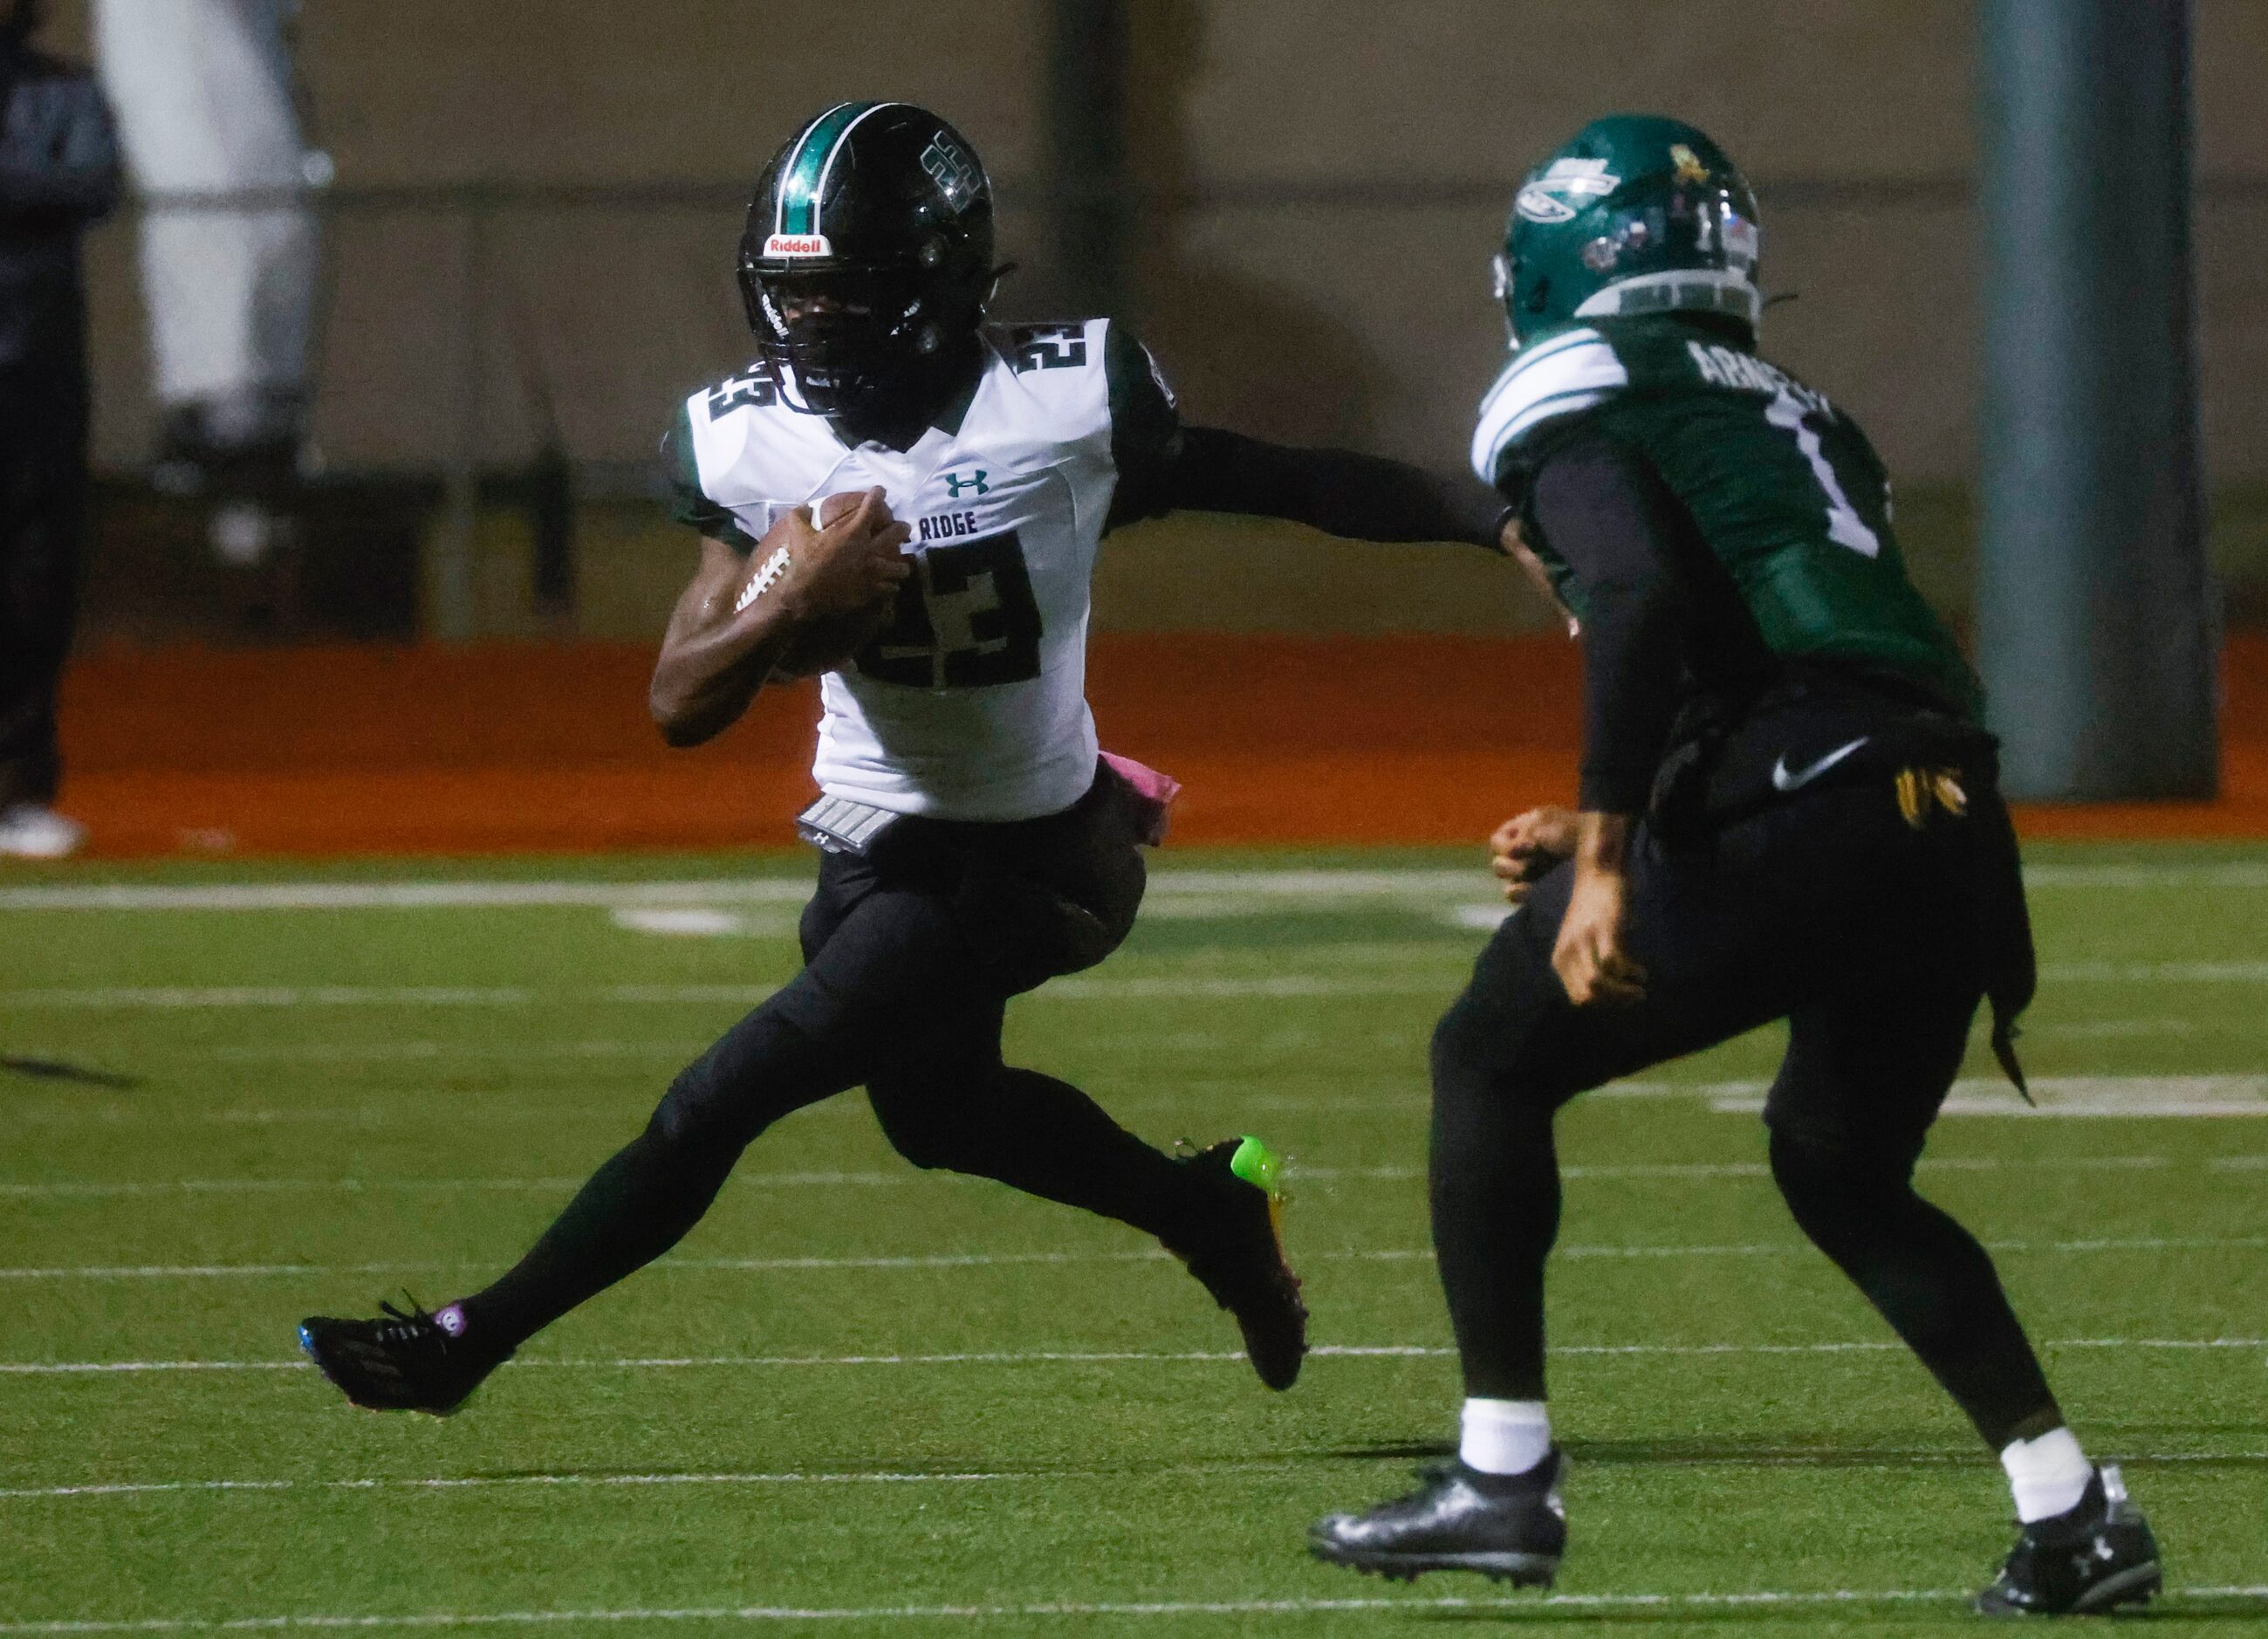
(818, 193)
(1582, 350)
(1529, 356)
(1561, 383)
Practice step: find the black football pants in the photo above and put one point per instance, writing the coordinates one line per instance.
(911, 954)
(43, 509)
(1831, 910)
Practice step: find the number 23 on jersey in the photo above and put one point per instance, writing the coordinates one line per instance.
(967, 619)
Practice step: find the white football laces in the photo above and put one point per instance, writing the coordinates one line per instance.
(764, 579)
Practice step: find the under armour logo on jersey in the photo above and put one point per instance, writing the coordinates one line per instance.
(974, 484)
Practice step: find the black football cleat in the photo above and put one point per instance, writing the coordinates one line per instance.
(2096, 1556)
(404, 1362)
(1510, 1527)
(1241, 1261)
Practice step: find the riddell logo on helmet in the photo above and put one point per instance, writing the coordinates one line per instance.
(797, 244)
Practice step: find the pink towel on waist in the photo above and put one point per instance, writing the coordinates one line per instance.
(1152, 793)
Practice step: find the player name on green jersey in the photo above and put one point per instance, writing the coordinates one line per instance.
(1785, 488)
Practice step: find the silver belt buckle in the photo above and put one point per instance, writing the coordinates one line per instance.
(838, 825)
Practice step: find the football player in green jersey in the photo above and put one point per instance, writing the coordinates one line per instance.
(1788, 811)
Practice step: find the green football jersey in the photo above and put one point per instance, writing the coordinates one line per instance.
(1782, 485)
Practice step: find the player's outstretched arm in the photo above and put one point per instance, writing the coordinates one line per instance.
(1165, 466)
(736, 617)
(1341, 492)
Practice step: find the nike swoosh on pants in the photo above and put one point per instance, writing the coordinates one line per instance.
(1784, 778)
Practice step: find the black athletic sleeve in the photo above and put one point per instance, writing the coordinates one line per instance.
(1360, 498)
(1602, 509)
(1164, 466)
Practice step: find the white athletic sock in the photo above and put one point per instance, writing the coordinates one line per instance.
(2048, 1475)
(1504, 1436)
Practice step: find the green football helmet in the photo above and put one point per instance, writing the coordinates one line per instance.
(1638, 214)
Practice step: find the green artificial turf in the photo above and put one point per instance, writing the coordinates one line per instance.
(332, 1103)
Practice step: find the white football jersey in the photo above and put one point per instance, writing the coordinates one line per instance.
(973, 705)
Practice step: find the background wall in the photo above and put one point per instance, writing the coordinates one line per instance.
(1323, 186)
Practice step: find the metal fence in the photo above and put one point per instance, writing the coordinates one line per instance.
(465, 326)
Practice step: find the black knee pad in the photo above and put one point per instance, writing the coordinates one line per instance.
(694, 1112)
(760, 1070)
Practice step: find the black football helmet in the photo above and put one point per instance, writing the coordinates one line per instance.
(868, 254)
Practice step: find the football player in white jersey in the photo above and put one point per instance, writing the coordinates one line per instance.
(976, 841)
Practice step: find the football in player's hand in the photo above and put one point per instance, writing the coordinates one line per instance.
(830, 642)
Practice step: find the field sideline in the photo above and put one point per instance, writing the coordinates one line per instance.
(862, 1398)
(440, 750)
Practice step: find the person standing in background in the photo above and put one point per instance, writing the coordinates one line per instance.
(59, 174)
(210, 119)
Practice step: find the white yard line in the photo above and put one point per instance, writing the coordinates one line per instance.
(405, 896)
(1194, 1041)
(905, 1178)
(444, 1187)
(1076, 1610)
(178, 997)
(1298, 884)
(1007, 1260)
(2202, 874)
(388, 1052)
(2102, 1029)
(1199, 885)
(473, 1482)
(2059, 1097)
(2072, 1095)
(2154, 974)
(1786, 1457)
(170, 997)
(1078, 1357)
(1273, 985)
(1443, 984)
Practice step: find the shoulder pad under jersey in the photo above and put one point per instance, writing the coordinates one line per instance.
(1554, 376)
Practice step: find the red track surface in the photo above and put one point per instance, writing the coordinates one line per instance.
(530, 747)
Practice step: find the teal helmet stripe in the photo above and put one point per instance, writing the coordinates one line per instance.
(807, 167)
(842, 139)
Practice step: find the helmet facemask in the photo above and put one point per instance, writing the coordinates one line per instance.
(840, 340)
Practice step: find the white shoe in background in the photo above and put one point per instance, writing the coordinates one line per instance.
(31, 832)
